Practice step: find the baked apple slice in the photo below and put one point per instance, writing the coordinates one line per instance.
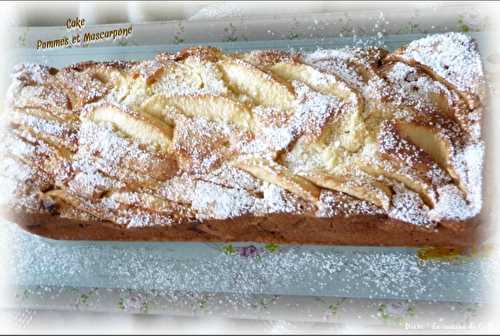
(453, 59)
(416, 89)
(277, 174)
(215, 108)
(143, 127)
(44, 126)
(354, 65)
(355, 183)
(397, 158)
(262, 87)
(441, 144)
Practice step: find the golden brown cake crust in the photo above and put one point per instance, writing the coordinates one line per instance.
(280, 229)
(349, 147)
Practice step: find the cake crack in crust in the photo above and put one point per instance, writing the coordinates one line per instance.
(358, 146)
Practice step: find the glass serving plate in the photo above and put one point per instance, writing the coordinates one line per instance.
(244, 268)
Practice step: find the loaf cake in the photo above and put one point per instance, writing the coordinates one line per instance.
(354, 146)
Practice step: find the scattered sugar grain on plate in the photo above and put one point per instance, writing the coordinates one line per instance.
(386, 273)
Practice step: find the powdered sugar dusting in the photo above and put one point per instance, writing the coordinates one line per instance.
(313, 111)
(191, 176)
(339, 204)
(453, 56)
(190, 78)
(277, 200)
(407, 206)
(452, 203)
(338, 62)
(233, 177)
(214, 201)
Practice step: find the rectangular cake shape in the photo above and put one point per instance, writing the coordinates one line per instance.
(358, 145)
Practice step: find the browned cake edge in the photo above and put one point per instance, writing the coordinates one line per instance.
(280, 228)
(283, 228)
